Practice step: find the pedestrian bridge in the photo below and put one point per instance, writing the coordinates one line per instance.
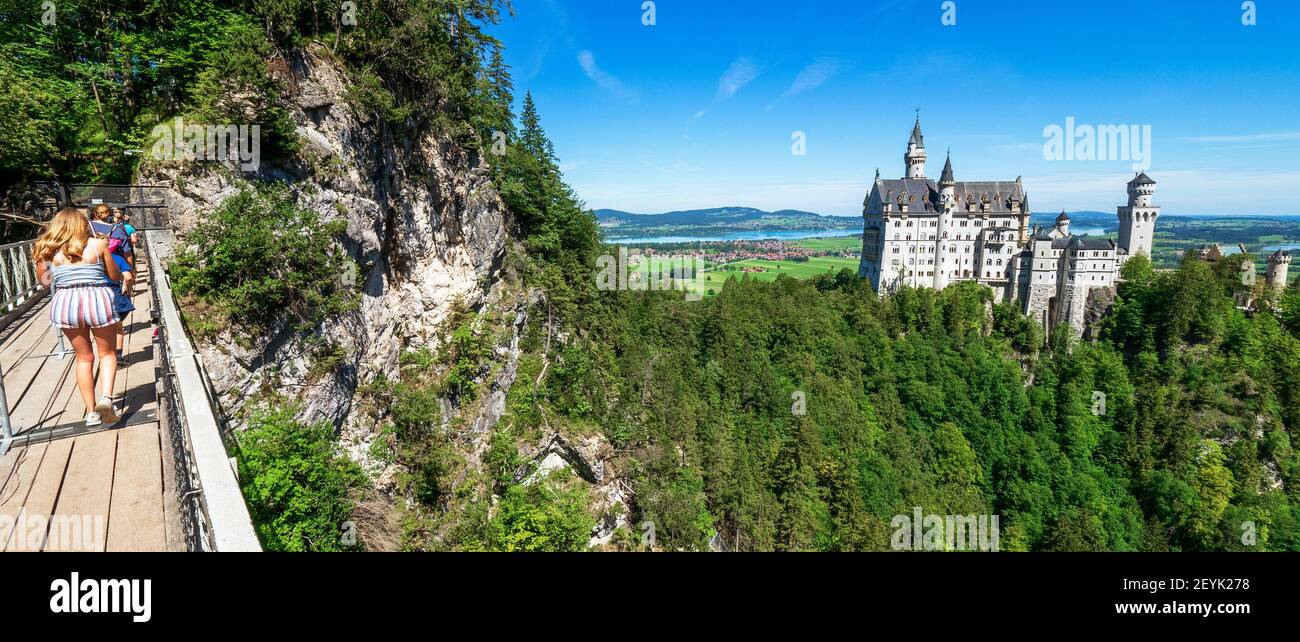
(158, 480)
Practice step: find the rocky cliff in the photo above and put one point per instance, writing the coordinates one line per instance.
(424, 225)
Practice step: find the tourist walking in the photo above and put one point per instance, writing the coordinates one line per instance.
(121, 246)
(81, 268)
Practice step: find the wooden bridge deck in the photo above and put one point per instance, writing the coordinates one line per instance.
(63, 487)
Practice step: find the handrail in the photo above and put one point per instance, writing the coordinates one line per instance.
(226, 524)
(17, 274)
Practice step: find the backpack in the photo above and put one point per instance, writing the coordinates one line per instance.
(114, 243)
(118, 244)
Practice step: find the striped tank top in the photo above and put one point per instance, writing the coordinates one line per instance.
(83, 297)
(80, 275)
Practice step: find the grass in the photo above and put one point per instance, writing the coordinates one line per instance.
(834, 244)
(773, 269)
(713, 278)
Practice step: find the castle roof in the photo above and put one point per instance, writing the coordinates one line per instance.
(917, 139)
(1142, 179)
(999, 194)
(1083, 242)
(946, 177)
(1063, 217)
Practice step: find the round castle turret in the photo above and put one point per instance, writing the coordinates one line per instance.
(1140, 190)
(915, 156)
(947, 196)
(1137, 220)
(1278, 264)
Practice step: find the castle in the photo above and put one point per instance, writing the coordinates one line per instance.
(1275, 276)
(926, 234)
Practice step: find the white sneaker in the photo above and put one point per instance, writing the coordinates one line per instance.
(92, 420)
(107, 411)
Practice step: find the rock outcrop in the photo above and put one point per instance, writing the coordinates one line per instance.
(1101, 301)
(425, 227)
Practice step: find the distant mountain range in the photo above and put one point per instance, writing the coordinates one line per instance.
(616, 223)
(738, 217)
(752, 223)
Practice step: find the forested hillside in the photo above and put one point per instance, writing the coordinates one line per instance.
(791, 415)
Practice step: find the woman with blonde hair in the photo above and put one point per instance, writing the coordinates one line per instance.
(79, 267)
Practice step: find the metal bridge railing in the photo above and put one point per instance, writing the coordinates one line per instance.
(214, 514)
(144, 203)
(18, 285)
(17, 275)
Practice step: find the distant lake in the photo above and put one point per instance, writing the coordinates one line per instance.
(779, 235)
(743, 235)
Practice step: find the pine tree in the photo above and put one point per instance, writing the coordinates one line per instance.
(502, 88)
(533, 138)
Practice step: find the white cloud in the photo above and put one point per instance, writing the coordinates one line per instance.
(604, 79)
(812, 76)
(674, 168)
(670, 194)
(1274, 137)
(740, 73)
(1179, 191)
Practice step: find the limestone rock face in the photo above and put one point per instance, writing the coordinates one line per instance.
(1101, 300)
(425, 227)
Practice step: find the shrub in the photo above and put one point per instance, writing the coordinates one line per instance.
(541, 517)
(298, 486)
(259, 257)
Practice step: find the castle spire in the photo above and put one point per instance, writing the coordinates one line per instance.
(946, 178)
(914, 159)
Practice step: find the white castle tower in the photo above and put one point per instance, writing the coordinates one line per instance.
(947, 198)
(915, 156)
(1278, 264)
(1137, 220)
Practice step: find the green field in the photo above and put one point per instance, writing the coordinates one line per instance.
(834, 244)
(773, 269)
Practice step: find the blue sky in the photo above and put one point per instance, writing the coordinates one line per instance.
(699, 110)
